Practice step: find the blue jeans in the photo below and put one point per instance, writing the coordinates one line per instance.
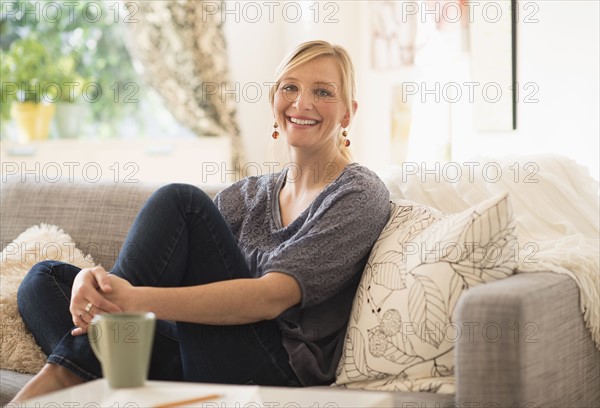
(179, 238)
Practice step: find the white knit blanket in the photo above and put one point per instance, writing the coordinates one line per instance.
(555, 202)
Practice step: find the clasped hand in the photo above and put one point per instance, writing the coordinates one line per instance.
(96, 291)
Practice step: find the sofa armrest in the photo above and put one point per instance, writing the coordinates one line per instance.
(528, 345)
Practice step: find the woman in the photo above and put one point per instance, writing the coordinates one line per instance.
(260, 283)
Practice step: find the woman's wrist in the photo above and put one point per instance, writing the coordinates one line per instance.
(137, 301)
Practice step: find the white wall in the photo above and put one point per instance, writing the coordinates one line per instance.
(558, 53)
(254, 51)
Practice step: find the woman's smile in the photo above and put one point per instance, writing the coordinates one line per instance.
(302, 122)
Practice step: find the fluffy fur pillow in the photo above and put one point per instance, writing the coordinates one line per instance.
(20, 352)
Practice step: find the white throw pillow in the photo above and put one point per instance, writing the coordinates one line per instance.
(401, 332)
(20, 352)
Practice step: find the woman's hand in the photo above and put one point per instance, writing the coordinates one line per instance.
(121, 294)
(89, 297)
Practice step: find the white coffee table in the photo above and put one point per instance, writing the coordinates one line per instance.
(97, 393)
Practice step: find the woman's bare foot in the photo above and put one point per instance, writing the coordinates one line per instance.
(52, 377)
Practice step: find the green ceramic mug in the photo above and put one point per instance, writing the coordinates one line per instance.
(123, 344)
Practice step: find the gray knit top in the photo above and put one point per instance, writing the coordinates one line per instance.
(325, 249)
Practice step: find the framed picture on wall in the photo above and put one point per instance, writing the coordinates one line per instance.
(406, 33)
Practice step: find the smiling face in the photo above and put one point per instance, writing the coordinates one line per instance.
(309, 105)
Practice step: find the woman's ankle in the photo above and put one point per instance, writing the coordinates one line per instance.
(52, 377)
(65, 376)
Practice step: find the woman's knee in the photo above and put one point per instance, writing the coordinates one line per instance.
(38, 272)
(174, 189)
(34, 280)
(38, 278)
(181, 193)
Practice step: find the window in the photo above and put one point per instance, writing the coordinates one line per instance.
(90, 68)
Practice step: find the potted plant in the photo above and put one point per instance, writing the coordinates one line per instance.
(28, 87)
(71, 111)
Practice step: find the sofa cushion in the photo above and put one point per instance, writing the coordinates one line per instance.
(96, 215)
(401, 332)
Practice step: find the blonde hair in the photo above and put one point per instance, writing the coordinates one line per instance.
(309, 51)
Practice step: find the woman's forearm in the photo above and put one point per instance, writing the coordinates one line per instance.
(236, 301)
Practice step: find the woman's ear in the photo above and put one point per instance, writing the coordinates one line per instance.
(346, 119)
